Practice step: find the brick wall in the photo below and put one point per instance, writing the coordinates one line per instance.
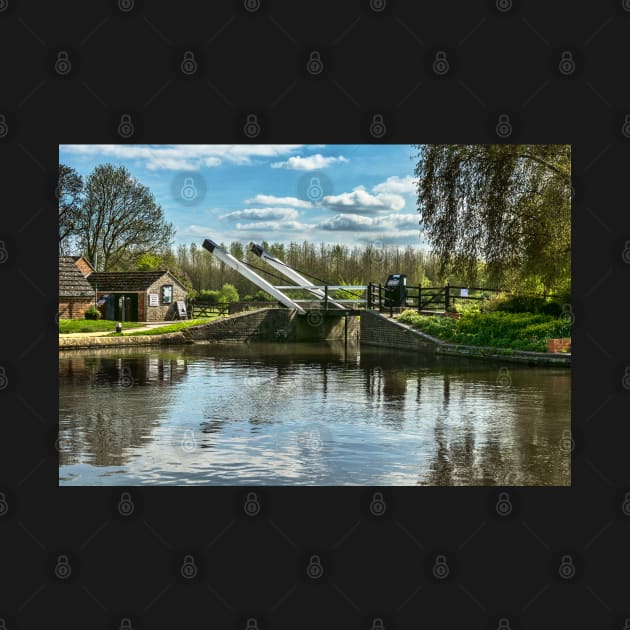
(378, 330)
(275, 324)
(74, 308)
(163, 311)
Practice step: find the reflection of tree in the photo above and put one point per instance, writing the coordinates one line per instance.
(100, 417)
(513, 438)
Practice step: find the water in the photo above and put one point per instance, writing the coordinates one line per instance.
(308, 414)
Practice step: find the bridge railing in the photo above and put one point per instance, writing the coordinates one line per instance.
(376, 296)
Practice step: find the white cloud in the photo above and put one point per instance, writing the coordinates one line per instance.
(396, 185)
(262, 213)
(187, 157)
(280, 201)
(360, 200)
(357, 222)
(274, 226)
(309, 163)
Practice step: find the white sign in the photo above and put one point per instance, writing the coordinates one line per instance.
(463, 293)
(154, 299)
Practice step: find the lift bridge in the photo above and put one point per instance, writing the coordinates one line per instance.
(321, 293)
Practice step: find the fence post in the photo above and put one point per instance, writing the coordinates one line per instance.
(447, 296)
(380, 298)
(419, 297)
(326, 297)
(369, 296)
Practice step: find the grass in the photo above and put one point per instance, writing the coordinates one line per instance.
(168, 328)
(518, 331)
(85, 325)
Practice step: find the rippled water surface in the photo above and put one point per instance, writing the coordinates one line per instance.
(308, 414)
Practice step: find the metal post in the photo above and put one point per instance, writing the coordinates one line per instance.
(326, 297)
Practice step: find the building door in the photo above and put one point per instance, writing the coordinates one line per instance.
(127, 307)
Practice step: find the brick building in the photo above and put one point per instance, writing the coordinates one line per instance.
(138, 296)
(76, 294)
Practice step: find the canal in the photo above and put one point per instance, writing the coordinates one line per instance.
(308, 414)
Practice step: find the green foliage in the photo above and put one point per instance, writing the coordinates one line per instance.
(228, 293)
(92, 313)
(119, 219)
(525, 304)
(160, 330)
(519, 331)
(506, 205)
(67, 326)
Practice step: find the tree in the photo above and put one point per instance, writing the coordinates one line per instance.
(506, 206)
(69, 193)
(119, 219)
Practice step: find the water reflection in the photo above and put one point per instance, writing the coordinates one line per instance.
(316, 414)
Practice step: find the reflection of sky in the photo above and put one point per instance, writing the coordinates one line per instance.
(321, 422)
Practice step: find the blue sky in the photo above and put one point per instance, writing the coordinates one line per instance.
(352, 194)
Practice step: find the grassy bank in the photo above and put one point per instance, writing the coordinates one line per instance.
(168, 328)
(519, 331)
(67, 326)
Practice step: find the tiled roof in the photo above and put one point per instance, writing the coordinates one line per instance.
(125, 280)
(71, 280)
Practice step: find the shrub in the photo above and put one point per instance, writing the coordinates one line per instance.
(228, 293)
(92, 313)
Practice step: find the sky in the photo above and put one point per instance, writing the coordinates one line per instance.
(336, 193)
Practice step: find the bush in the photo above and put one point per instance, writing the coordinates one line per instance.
(505, 303)
(92, 313)
(522, 331)
(228, 293)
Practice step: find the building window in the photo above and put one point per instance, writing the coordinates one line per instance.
(167, 294)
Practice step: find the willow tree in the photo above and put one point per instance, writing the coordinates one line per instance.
(506, 208)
